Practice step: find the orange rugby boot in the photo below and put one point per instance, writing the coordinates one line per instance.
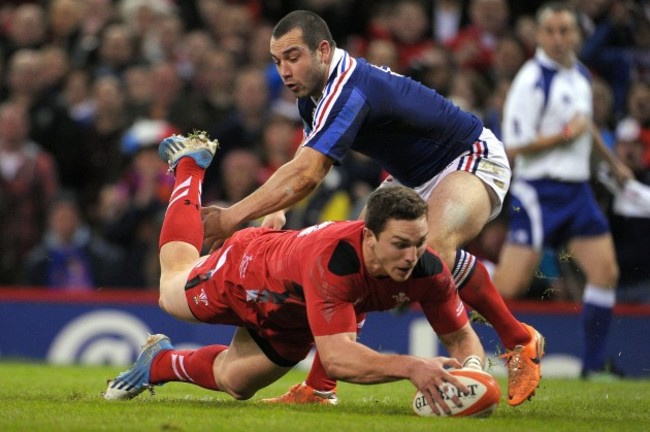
(524, 368)
(303, 394)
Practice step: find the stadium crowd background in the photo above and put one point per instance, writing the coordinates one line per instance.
(89, 87)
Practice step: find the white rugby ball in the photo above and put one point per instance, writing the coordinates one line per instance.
(482, 400)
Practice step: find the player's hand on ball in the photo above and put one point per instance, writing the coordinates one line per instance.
(480, 401)
(433, 380)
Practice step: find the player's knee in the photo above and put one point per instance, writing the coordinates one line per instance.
(167, 305)
(605, 274)
(162, 304)
(237, 392)
(610, 275)
(242, 395)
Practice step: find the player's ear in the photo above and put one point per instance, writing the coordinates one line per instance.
(325, 50)
(369, 236)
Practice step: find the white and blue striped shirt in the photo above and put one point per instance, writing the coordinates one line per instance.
(543, 97)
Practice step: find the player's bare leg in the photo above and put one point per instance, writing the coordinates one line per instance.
(239, 370)
(597, 259)
(459, 208)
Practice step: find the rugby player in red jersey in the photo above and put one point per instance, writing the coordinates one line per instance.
(287, 291)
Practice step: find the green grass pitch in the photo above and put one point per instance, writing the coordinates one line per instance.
(36, 397)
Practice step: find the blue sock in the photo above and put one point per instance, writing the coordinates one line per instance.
(595, 324)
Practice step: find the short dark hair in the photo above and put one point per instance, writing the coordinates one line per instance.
(393, 202)
(556, 6)
(314, 28)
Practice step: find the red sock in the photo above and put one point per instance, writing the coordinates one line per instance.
(477, 290)
(317, 378)
(183, 219)
(192, 366)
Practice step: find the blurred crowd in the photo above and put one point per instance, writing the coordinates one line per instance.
(89, 87)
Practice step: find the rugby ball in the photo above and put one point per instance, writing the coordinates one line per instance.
(482, 400)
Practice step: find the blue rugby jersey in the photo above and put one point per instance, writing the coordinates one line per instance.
(410, 130)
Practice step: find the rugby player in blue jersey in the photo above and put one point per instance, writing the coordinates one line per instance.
(423, 141)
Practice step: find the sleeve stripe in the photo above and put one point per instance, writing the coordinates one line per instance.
(333, 91)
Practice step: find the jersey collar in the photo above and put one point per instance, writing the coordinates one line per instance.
(334, 70)
(548, 62)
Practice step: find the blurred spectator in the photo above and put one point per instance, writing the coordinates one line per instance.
(76, 98)
(71, 256)
(168, 100)
(435, 69)
(526, 31)
(638, 109)
(50, 125)
(130, 210)
(141, 17)
(410, 30)
(493, 117)
(138, 90)
(509, 55)
(192, 51)
(243, 127)
(258, 57)
(240, 175)
(641, 48)
(383, 52)
(229, 23)
(54, 74)
(470, 91)
(163, 41)
(447, 19)
(64, 25)
(28, 184)
(86, 70)
(608, 27)
(474, 45)
(213, 87)
(26, 29)
(96, 16)
(629, 217)
(117, 51)
(603, 100)
(103, 161)
(281, 137)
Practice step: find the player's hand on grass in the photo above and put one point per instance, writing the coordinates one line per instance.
(430, 376)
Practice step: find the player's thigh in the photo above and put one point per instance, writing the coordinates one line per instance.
(459, 207)
(597, 258)
(173, 299)
(244, 368)
(517, 265)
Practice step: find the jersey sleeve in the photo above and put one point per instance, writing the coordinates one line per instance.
(447, 314)
(523, 108)
(336, 126)
(329, 299)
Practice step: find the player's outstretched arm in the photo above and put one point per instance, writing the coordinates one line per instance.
(288, 185)
(347, 360)
(464, 344)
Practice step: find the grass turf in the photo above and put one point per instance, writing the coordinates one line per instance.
(37, 397)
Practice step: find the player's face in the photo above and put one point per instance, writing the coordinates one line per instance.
(397, 249)
(558, 36)
(302, 71)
